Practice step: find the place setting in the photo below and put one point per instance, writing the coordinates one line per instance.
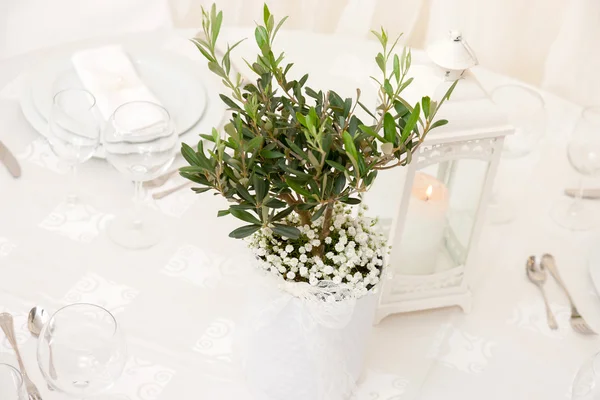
(267, 239)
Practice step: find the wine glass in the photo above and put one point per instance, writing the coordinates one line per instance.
(81, 350)
(586, 385)
(525, 110)
(583, 152)
(73, 130)
(140, 142)
(11, 383)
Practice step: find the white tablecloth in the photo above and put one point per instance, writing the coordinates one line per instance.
(180, 301)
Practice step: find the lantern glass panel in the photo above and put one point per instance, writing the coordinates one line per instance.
(441, 215)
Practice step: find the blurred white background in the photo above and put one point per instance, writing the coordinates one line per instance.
(552, 44)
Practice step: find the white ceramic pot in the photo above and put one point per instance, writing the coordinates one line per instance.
(298, 349)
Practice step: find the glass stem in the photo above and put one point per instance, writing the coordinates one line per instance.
(577, 200)
(72, 195)
(138, 200)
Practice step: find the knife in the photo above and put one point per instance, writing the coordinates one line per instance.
(593, 194)
(8, 159)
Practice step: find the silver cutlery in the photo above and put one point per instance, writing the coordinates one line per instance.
(577, 322)
(165, 193)
(36, 320)
(537, 275)
(7, 325)
(592, 194)
(10, 161)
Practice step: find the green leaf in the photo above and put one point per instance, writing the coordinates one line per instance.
(271, 154)
(401, 109)
(396, 67)
(339, 184)
(425, 101)
(318, 214)
(222, 213)
(296, 187)
(336, 165)
(244, 231)
(411, 123)
(350, 200)
(286, 230)
(201, 190)
(283, 214)
(244, 194)
(244, 216)
(279, 25)
(349, 145)
(261, 187)
(216, 68)
(189, 154)
(313, 160)
(438, 123)
(369, 131)
(380, 62)
(261, 36)
(254, 143)
(266, 13)
(388, 89)
(275, 203)
(389, 128)
(230, 103)
(305, 206)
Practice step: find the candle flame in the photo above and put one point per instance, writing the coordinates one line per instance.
(428, 192)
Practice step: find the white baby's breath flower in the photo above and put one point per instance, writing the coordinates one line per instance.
(302, 250)
(339, 247)
(303, 258)
(308, 246)
(316, 242)
(328, 270)
(337, 279)
(310, 234)
(281, 269)
(289, 248)
(290, 275)
(303, 271)
(328, 240)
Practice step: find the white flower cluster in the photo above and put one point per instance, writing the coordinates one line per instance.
(352, 253)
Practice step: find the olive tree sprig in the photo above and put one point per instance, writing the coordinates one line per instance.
(289, 148)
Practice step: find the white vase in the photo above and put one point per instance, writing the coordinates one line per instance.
(297, 349)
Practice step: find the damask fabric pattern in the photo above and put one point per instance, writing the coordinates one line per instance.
(181, 302)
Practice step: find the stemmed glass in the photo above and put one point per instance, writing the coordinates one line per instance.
(525, 110)
(140, 142)
(586, 385)
(11, 383)
(583, 152)
(81, 350)
(73, 130)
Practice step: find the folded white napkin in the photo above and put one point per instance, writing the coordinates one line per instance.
(107, 72)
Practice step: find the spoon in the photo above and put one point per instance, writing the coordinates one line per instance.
(36, 320)
(38, 317)
(537, 275)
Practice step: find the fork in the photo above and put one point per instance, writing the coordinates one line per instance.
(577, 322)
(7, 325)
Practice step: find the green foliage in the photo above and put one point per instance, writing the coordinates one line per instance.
(289, 148)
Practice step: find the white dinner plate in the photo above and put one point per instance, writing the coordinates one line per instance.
(183, 86)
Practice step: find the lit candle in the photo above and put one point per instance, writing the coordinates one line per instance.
(424, 226)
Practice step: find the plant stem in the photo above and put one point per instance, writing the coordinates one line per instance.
(325, 227)
(304, 215)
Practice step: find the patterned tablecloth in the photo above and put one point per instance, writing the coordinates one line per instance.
(179, 302)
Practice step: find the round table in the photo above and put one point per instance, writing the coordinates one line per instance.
(179, 302)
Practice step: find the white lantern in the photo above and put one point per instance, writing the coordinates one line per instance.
(434, 208)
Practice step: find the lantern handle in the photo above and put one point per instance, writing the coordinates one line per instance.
(456, 36)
